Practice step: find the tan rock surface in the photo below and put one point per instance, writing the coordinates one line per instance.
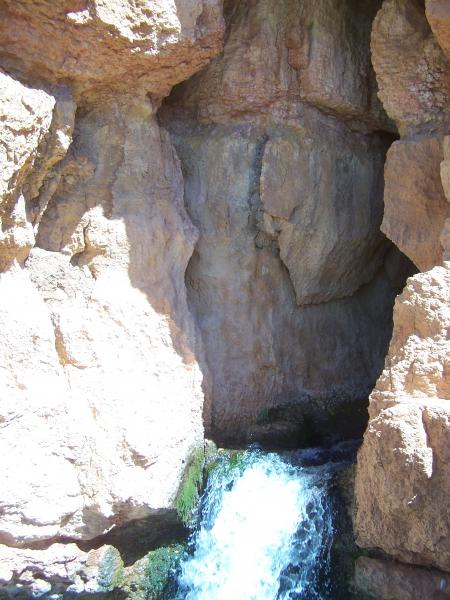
(116, 257)
(412, 71)
(35, 132)
(278, 53)
(117, 242)
(105, 354)
(402, 483)
(415, 207)
(258, 341)
(104, 45)
(288, 203)
(320, 201)
(59, 569)
(402, 476)
(438, 15)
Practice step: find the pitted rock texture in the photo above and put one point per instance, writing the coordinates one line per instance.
(402, 475)
(411, 68)
(104, 45)
(279, 53)
(36, 131)
(101, 386)
(59, 569)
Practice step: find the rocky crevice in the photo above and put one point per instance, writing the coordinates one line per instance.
(214, 261)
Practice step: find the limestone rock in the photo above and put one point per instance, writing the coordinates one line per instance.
(412, 71)
(114, 242)
(283, 180)
(321, 201)
(105, 356)
(116, 257)
(403, 476)
(258, 341)
(438, 15)
(59, 569)
(37, 438)
(35, 132)
(415, 207)
(278, 53)
(107, 45)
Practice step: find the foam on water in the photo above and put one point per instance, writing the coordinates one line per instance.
(265, 533)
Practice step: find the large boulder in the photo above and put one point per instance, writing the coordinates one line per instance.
(415, 207)
(403, 475)
(104, 46)
(102, 391)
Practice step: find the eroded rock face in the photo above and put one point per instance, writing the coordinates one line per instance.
(246, 280)
(102, 390)
(411, 68)
(36, 131)
(402, 476)
(59, 569)
(405, 514)
(120, 336)
(278, 53)
(104, 45)
(415, 207)
(438, 16)
(256, 337)
(288, 203)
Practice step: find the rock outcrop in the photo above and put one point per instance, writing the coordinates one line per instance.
(290, 279)
(101, 389)
(403, 467)
(209, 257)
(402, 476)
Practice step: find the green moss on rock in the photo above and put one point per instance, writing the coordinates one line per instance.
(191, 487)
(149, 577)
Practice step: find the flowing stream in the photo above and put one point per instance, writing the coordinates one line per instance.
(268, 527)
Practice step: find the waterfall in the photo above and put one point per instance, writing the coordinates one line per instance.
(265, 530)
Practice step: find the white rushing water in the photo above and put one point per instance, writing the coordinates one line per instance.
(265, 533)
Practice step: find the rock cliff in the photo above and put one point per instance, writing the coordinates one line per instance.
(196, 236)
(291, 279)
(402, 476)
(101, 389)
